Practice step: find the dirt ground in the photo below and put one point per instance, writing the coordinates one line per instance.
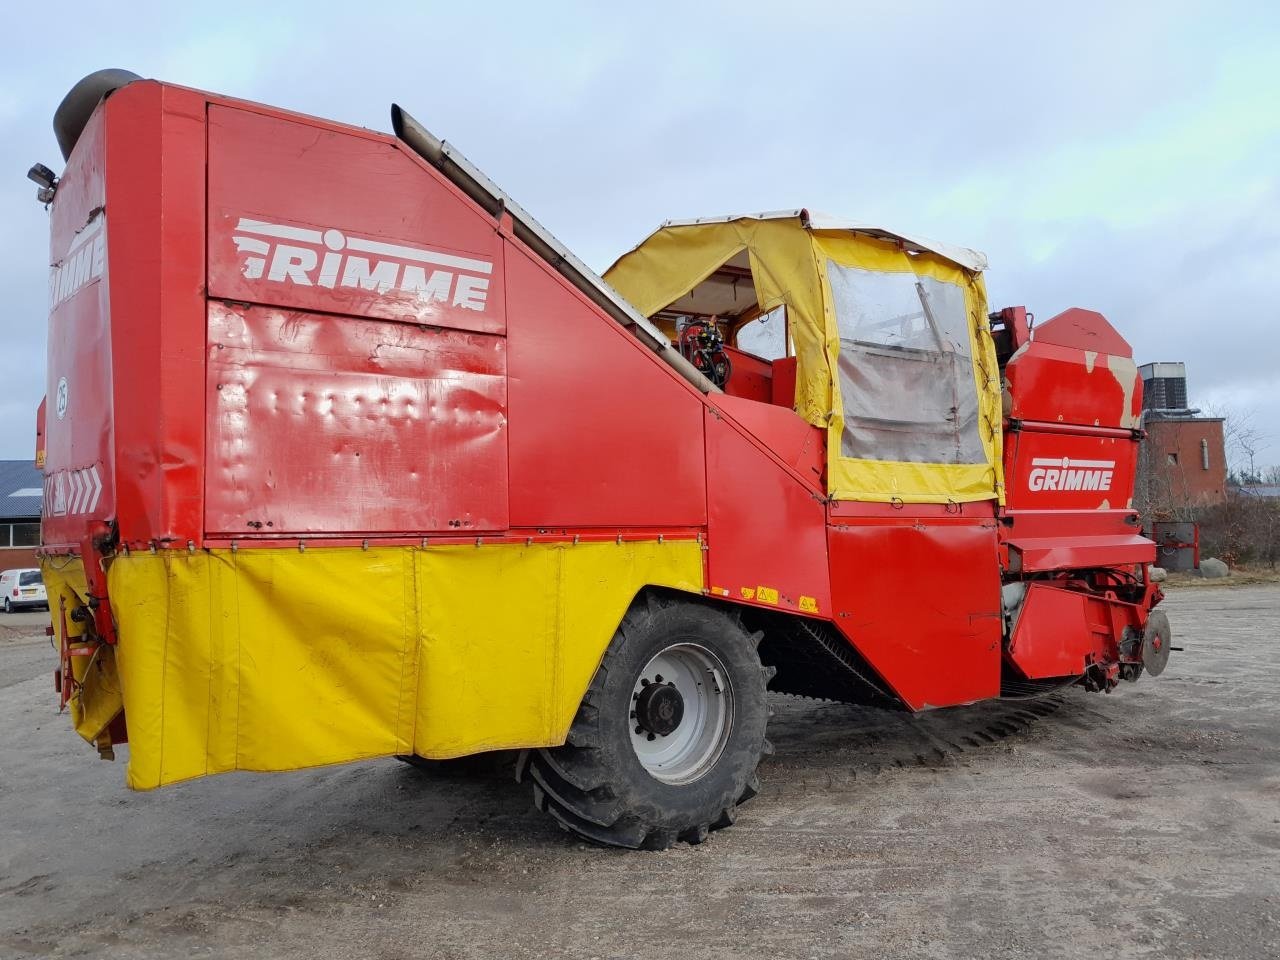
(1141, 824)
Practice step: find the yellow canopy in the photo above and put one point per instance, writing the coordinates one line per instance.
(894, 350)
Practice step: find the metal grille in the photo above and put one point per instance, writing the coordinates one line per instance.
(1164, 393)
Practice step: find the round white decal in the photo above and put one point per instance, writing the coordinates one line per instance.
(60, 404)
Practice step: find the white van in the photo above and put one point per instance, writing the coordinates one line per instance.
(23, 588)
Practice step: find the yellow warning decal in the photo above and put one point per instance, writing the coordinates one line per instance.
(767, 595)
(808, 604)
(748, 593)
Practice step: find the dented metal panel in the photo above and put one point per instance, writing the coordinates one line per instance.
(79, 486)
(320, 424)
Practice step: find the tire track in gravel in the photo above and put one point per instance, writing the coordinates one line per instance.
(825, 746)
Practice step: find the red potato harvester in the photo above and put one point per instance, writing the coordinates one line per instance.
(346, 456)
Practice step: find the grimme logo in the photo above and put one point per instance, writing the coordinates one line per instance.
(332, 259)
(84, 262)
(1064, 474)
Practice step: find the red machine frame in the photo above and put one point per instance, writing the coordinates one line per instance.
(260, 399)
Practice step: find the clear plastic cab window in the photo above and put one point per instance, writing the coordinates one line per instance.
(765, 336)
(905, 367)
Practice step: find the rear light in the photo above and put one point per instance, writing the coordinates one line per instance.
(15, 591)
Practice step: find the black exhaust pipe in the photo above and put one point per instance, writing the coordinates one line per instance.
(78, 105)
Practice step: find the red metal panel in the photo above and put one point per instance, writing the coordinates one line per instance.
(305, 216)
(1071, 539)
(920, 600)
(847, 510)
(797, 444)
(1068, 471)
(1076, 370)
(1054, 384)
(1039, 524)
(1080, 329)
(602, 433)
(749, 377)
(1060, 632)
(784, 382)
(132, 382)
(156, 178)
(79, 487)
(325, 424)
(1065, 552)
(766, 531)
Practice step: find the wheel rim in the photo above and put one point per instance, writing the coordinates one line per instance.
(680, 745)
(1155, 644)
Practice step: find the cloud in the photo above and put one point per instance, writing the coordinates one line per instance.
(1101, 155)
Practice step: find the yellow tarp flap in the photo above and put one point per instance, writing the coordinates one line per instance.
(789, 266)
(276, 659)
(676, 259)
(98, 699)
(510, 670)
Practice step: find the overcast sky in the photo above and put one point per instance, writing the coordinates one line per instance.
(1123, 157)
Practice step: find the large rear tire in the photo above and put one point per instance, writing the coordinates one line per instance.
(666, 742)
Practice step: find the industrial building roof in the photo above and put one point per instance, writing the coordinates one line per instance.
(21, 490)
(1268, 491)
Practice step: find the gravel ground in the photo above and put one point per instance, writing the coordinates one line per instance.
(1141, 824)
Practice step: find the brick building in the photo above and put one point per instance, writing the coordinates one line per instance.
(1184, 456)
(20, 495)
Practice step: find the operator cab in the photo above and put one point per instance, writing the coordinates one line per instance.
(876, 339)
(720, 327)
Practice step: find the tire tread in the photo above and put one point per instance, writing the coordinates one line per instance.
(573, 783)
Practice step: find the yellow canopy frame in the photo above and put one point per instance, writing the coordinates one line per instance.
(791, 257)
